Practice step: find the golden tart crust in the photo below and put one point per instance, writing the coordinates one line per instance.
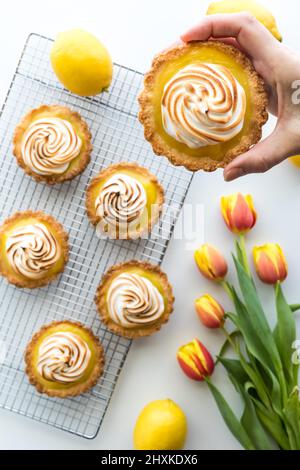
(77, 388)
(140, 268)
(131, 168)
(77, 165)
(60, 235)
(180, 154)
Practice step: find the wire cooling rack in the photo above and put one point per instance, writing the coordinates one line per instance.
(117, 136)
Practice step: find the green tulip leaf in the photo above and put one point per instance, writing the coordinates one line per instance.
(275, 391)
(292, 419)
(285, 335)
(257, 380)
(249, 420)
(253, 343)
(269, 418)
(226, 345)
(230, 419)
(234, 367)
(274, 426)
(256, 316)
(252, 424)
(295, 307)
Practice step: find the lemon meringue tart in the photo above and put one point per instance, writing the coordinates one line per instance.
(33, 249)
(202, 105)
(64, 359)
(52, 144)
(134, 299)
(124, 200)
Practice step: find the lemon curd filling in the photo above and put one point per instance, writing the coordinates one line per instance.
(17, 227)
(52, 332)
(205, 55)
(134, 299)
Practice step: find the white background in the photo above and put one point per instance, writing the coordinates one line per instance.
(134, 30)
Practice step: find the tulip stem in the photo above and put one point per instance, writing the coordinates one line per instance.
(229, 339)
(244, 253)
(226, 286)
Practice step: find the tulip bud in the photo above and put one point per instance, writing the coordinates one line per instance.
(270, 263)
(210, 312)
(238, 212)
(195, 361)
(211, 262)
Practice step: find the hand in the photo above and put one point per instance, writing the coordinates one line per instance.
(279, 68)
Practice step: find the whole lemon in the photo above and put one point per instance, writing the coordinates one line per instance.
(81, 63)
(161, 425)
(251, 6)
(295, 160)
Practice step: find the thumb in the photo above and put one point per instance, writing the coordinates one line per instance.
(261, 157)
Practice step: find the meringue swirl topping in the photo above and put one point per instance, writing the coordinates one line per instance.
(203, 104)
(63, 357)
(133, 300)
(32, 250)
(49, 145)
(121, 201)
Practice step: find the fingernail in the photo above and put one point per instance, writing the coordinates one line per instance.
(232, 173)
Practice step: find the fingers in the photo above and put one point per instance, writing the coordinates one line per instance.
(251, 35)
(231, 42)
(216, 26)
(261, 157)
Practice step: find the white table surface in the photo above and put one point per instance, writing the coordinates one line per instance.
(134, 30)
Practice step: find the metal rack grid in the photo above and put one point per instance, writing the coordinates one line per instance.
(117, 136)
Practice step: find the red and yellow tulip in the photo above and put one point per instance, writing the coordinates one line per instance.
(238, 212)
(211, 262)
(195, 361)
(270, 263)
(210, 312)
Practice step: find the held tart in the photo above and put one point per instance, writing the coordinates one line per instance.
(33, 249)
(202, 105)
(124, 200)
(52, 144)
(134, 299)
(64, 359)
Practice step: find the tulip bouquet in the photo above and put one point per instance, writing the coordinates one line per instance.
(262, 370)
